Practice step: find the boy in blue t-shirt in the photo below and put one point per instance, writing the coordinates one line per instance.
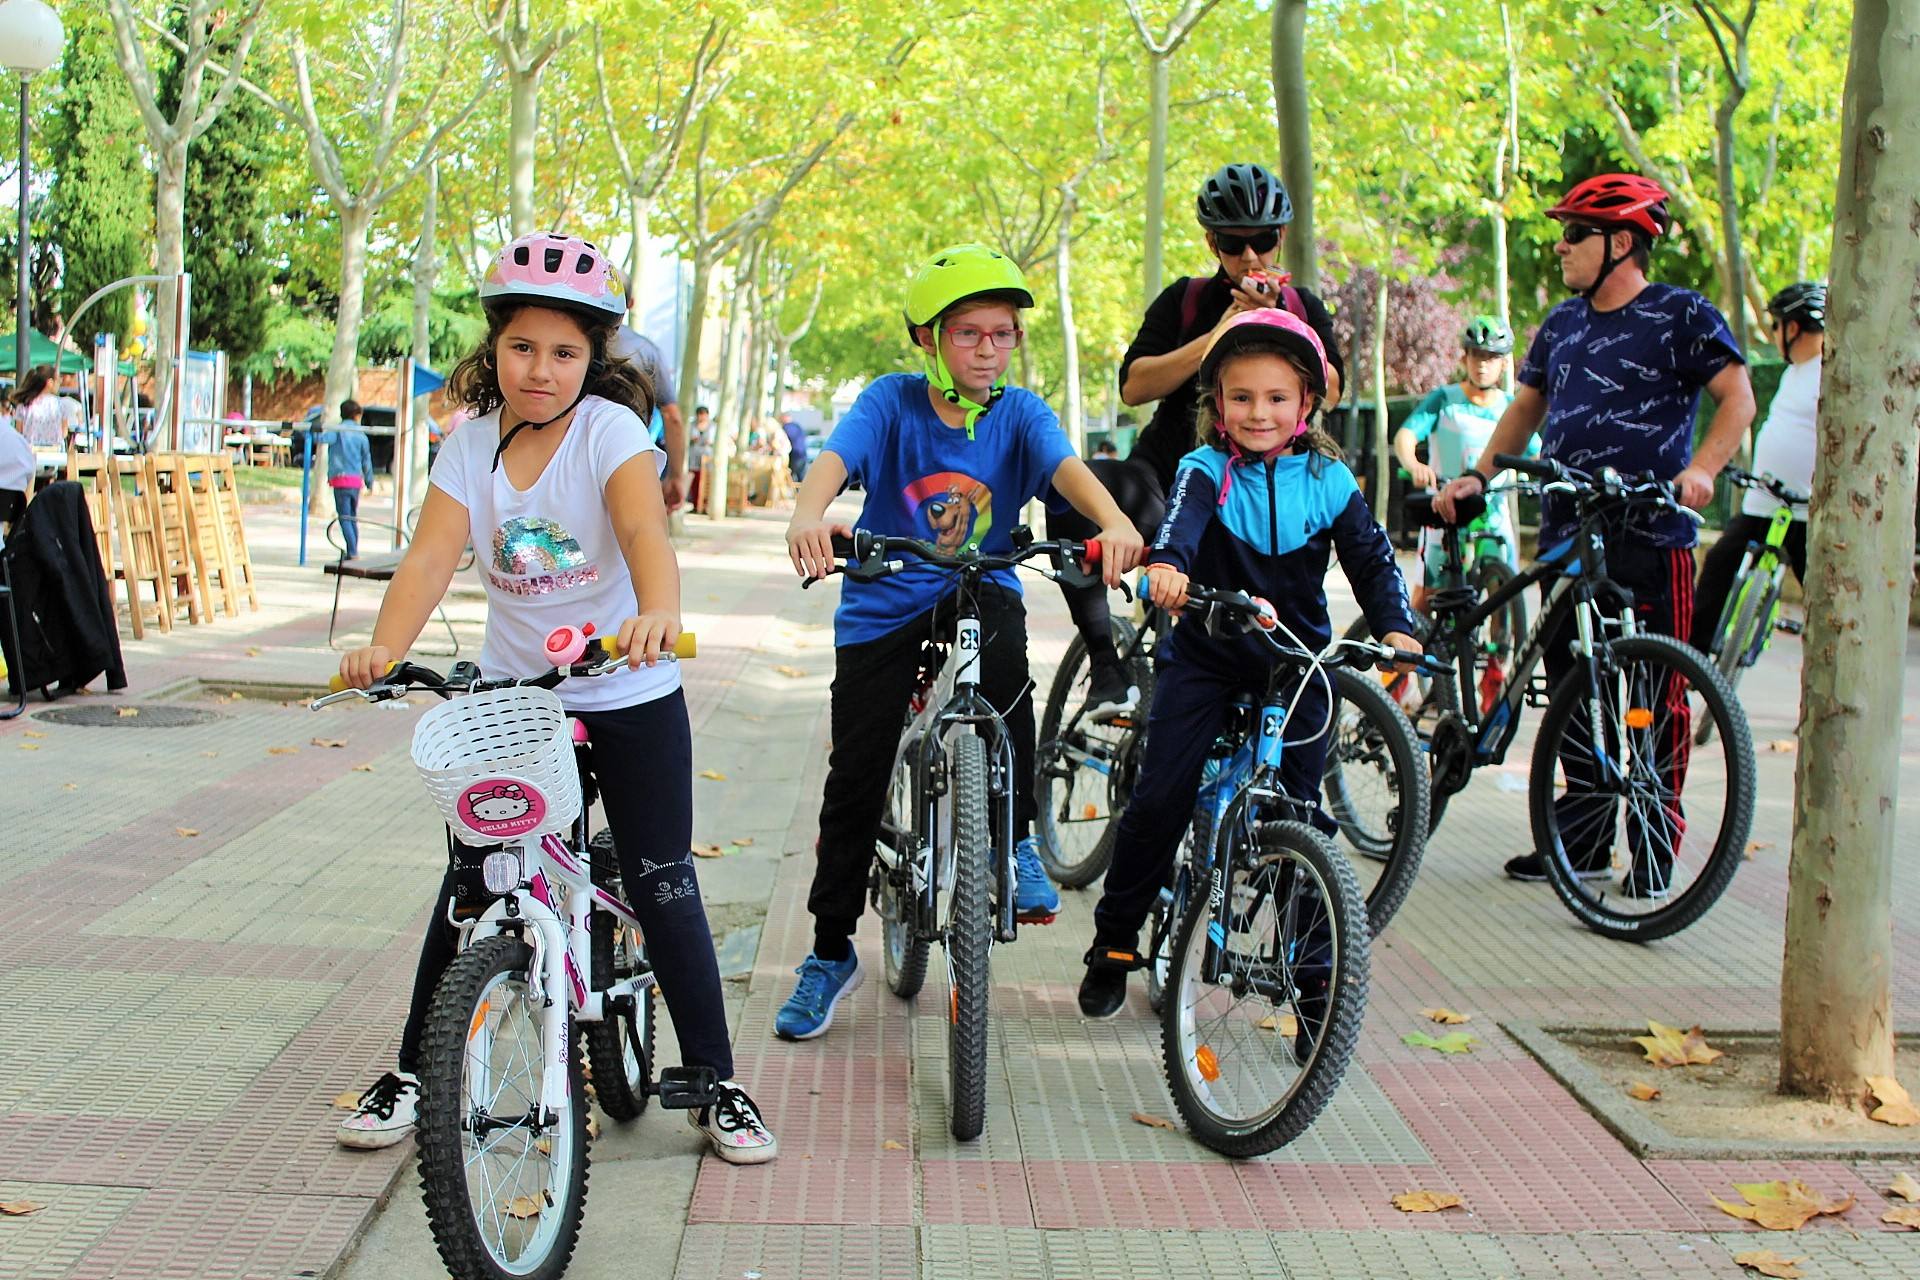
(937, 465)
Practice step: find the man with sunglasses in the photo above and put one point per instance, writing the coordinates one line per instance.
(1613, 379)
(1244, 210)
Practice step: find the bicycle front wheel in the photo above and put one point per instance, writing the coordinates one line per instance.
(1084, 770)
(1376, 788)
(1264, 1005)
(1640, 830)
(505, 1181)
(969, 938)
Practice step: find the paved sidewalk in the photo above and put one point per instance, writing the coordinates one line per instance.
(186, 1006)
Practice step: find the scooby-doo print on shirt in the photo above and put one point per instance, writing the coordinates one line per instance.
(956, 509)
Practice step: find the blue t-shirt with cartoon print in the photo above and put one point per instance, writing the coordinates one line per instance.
(925, 479)
(1623, 389)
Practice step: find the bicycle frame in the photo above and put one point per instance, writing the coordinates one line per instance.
(1762, 568)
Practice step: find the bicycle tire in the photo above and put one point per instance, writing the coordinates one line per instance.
(1422, 698)
(1490, 576)
(1164, 918)
(1329, 880)
(1393, 840)
(621, 1083)
(1595, 907)
(903, 957)
(1071, 858)
(969, 938)
(1734, 636)
(461, 1006)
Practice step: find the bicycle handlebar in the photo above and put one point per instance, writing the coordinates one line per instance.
(1258, 615)
(1641, 488)
(406, 677)
(1748, 480)
(867, 554)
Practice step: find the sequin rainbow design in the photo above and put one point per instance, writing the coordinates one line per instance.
(530, 544)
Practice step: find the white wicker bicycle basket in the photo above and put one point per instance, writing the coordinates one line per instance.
(499, 764)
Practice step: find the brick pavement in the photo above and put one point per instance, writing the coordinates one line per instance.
(186, 1007)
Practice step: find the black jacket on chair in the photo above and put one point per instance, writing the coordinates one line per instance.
(68, 632)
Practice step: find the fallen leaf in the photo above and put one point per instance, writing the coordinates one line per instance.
(20, 1208)
(327, 742)
(891, 1145)
(1672, 1047)
(363, 768)
(1446, 1017)
(1769, 1263)
(283, 751)
(792, 673)
(235, 696)
(742, 842)
(1644, 1092)
(593, 1127)
(523, 1207)
(1427, 1201)
(127, 713)
(1452, 1042)
(1285, 1023)
(748, 715)
(1908, 1217)
(1783, 746)
(69, 786)
(209, 754)
(1905, 1187)
(253, 651)
(348, 1101)
(1895, 1108)
(1153, 1122)
(34, 733)
(1781, 1206)
(1755, 846)
(29, 746)
(186, 832)
(715, 774)
(708, 851)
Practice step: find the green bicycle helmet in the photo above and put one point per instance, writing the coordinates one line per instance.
(1487, 333)
(954, 275)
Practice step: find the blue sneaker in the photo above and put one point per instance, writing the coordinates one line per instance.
(808, 1012)
(1035, 900)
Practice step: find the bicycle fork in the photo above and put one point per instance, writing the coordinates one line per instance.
(1256, 762)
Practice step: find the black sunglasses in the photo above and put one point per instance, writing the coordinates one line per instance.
(1232, 246)
(1577, 232)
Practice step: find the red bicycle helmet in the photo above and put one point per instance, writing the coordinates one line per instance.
(1617, 199)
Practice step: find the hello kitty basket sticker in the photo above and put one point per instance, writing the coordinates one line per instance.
(500, 764)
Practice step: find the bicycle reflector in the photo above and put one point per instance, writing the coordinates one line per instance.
(1208, 1064)
(1639, 717)
(501, 871)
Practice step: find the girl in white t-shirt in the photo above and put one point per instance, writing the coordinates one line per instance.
(555, 483)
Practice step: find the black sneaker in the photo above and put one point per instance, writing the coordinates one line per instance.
(1532, 868)
(1103, 992)
(1109, 693)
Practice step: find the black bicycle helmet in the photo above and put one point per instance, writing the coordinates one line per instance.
(1804, 303)
(1243, 195)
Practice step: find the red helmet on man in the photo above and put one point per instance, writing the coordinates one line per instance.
(1617, 200)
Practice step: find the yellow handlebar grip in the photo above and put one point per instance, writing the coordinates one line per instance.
(338, 684)
(685, 647)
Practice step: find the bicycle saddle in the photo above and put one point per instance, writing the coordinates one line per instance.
(1418, 506)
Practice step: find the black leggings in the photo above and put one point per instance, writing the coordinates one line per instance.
(1142, 497)
(648, 795)
(1723, 563)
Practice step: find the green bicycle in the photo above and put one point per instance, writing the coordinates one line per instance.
(1752, 611)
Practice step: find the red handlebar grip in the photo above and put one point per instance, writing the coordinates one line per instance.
(1092, 553)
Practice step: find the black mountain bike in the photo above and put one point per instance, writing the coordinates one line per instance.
(1640, 832)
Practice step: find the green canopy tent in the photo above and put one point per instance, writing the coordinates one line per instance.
(41, 350)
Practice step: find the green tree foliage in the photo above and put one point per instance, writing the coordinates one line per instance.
(226, 211)
(100, 210)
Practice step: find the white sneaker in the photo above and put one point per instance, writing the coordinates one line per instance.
(733, 1125)
(387, 1113)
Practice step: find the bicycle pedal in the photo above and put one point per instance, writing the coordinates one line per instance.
(1114, 958)
(1790, 626)
(687, 1088)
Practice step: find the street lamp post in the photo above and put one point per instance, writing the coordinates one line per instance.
(31, 36)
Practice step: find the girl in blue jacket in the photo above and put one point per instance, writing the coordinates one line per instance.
(1258, 507)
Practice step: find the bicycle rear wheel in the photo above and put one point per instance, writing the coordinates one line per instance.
(1084, 771)
(1742, 617)
(903, 953)
(1170, 908)
(1253, 1057)
(1422, 698)
(1506, 630)
(505, 1184)
(969, 937)
(1658, 823)
(620, 1045)
(1376, 788)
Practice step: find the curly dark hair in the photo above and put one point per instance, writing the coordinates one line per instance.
(475, 382)
(1207, 428)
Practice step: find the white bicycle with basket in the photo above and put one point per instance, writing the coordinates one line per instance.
(546, 942)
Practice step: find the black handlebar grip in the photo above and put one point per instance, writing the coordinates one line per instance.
(1539, 468)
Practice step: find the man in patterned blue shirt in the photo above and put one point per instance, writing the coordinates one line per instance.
(1613, 379)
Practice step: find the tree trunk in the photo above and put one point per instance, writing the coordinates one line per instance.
(355, 222)
(426, 270)
(1835, 1019)
(1072, 415)
(688, 391)
(640, 220)
(523, 126)
(1381, 453)
(1735, 260)
(1291, 112)
(1156, 178)
(1506, 159)
(170, 258)
(729, 435)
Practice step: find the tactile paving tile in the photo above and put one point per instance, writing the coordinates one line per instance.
(1419, 1255)
(1360, 1126)
(1155, 1255)
(1697, 1183)
(868, 1189)
(1075, 1194)
(1841, 1255)
(974, 1252)
(1523, 1153)
(824, 1105)
(193, 1235)
(990, 1193)
(797, 1253)
(1347, 1197)
(1000, 1139)
(51, 1241)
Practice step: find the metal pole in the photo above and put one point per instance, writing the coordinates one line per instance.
(21, 346)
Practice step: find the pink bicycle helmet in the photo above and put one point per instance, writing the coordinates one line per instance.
(1268, 324)
(557, 271)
